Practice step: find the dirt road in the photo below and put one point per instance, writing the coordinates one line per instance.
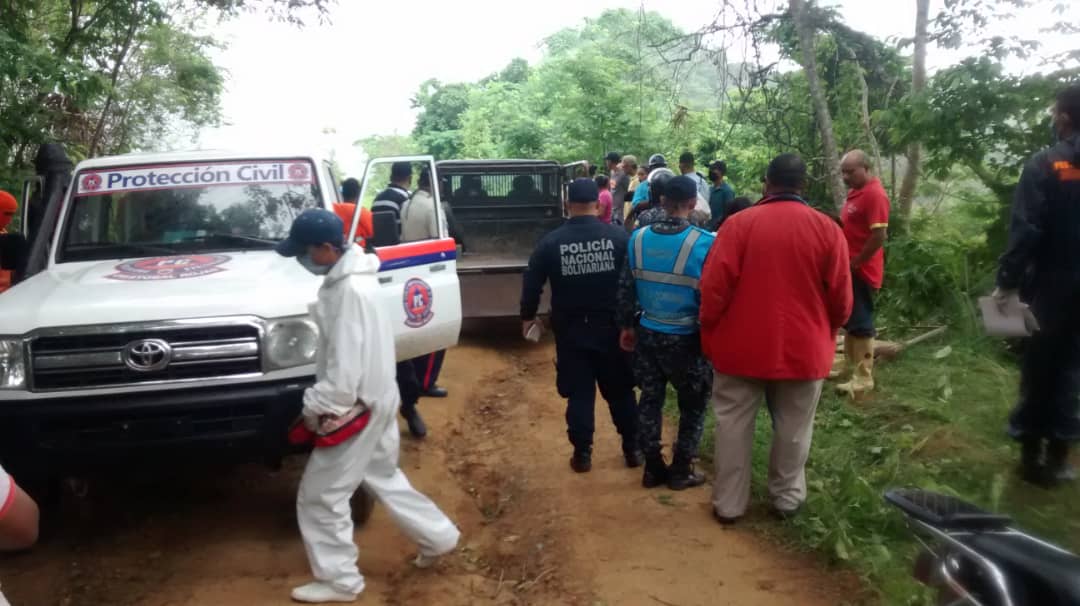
(496, 461)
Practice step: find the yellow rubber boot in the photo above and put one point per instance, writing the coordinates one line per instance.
(862, 381)
(843, 362)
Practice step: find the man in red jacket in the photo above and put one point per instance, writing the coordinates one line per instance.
(774, 292)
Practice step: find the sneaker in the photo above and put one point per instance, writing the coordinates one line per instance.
(436, 392)
(424, 561)
(416, 423)
(681, 475)
(581, 462)
(322, 593)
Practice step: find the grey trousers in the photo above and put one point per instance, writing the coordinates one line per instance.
(735, 402)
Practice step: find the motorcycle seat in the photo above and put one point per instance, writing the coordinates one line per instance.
(1037, 573)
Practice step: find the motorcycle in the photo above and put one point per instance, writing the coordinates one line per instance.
(975, 557)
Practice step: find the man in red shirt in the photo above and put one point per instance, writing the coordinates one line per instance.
(866, 220)
(775, 290)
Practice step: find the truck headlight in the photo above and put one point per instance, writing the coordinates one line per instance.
(12, 365)
(291, 342)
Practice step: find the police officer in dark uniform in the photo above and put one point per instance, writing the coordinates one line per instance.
(581, 259)
(660, 278)
(1042, 266)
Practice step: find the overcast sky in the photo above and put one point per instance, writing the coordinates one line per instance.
(323, 87)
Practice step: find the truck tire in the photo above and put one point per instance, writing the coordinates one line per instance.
(362, 504)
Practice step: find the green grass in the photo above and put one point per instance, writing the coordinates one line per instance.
(937, 422)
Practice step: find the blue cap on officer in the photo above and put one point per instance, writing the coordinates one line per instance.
(583, 191)
(312, 227)
(680, 189)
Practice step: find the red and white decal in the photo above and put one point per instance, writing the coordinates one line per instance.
(169, 268)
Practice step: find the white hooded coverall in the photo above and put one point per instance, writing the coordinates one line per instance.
(355, 361)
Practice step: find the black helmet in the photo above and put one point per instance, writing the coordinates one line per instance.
(656, 161)
(658, 180)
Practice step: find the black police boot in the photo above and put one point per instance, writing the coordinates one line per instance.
(632, 455)
(681, 475)
(581, 462)
(1058, 469)
(656, 471)
(436, 392)
(1031, 465)
(416, 424)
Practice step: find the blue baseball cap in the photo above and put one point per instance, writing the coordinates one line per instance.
(313, 227)
(583, 191)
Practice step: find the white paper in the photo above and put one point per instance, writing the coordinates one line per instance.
(1009, 323)
(533, 334)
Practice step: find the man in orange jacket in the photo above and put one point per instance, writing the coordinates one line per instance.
(775, 290)
(350, 193)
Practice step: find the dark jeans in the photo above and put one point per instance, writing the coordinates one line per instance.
(579, 370)
(861, 322)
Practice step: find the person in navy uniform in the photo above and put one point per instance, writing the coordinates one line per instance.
(660, 278)
(1041, 267)
(581, 259)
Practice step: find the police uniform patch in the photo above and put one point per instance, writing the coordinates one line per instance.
(417, 301)
(169, 268)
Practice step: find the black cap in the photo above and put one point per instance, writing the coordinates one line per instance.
(680, 189)
(313, 227)
(400, 171)
(613, 157)
(583, 191)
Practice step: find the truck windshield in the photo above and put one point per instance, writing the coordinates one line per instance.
(157, 210)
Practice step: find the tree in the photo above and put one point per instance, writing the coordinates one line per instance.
(918, 85)
(805, 30)
(438, 125)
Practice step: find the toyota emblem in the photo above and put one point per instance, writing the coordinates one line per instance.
(147, 355)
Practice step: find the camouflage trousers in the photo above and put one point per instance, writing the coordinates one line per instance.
(660, 359)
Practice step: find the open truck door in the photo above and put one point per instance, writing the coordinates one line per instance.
(418, 279)
(26, 252)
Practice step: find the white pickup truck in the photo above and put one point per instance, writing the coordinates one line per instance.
(157, 319)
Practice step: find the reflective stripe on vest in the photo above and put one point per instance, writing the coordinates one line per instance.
(676, 278)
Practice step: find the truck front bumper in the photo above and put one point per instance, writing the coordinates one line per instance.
(238, 423)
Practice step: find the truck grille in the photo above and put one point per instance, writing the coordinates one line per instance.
(129, 358)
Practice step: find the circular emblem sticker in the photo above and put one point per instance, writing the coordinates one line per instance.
(417, 301)
(91, 182)
(298, 172)
(169, 268)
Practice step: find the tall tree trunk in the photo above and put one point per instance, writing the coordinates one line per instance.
(864, 107)
(121, 56)
(918, 84)
(805, 31)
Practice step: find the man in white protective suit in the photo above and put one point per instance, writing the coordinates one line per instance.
(350, 415)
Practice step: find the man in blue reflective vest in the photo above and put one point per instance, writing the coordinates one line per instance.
(658, 302)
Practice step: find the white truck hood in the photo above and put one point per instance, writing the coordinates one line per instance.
(259, 283)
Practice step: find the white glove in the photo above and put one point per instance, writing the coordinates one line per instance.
(1008, 301)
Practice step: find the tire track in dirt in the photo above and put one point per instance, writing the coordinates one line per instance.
(604, 539)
